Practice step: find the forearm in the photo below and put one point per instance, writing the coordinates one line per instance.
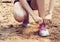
(51, 5)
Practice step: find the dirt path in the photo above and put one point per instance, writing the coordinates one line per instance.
(11, 31)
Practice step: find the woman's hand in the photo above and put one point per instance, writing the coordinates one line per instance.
(38, 19)
(49, 16)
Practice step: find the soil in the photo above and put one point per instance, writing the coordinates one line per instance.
(12, 31)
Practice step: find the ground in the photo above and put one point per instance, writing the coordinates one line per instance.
(12, 31)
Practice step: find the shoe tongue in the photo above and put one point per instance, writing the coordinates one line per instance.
(42, 26)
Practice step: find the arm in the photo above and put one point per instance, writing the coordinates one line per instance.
(51, 5)
(29, 10)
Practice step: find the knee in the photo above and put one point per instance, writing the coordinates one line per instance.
(20, 15)
(18, 18)
(19, 12)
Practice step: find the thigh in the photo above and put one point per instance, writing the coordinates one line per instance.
(18, 9)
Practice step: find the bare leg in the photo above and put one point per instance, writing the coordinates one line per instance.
(26, 18)
(41, 8)
(51, 7)
(19, 13)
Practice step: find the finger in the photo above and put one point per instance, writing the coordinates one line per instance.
(47, 21)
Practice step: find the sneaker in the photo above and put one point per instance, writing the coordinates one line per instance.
(42, 30)
(44, 33)
(25, 25)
